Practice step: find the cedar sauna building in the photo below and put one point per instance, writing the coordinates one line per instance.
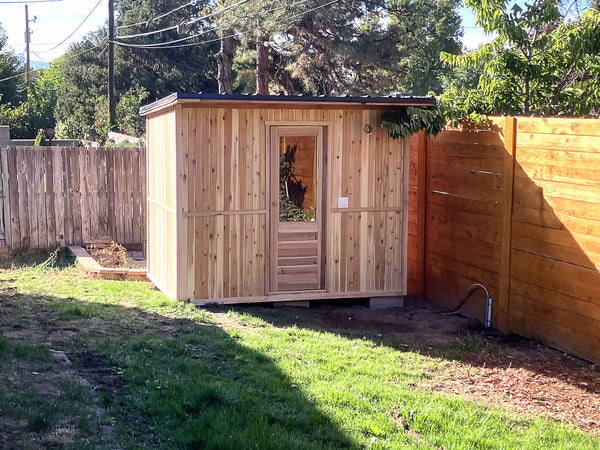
(273, 198)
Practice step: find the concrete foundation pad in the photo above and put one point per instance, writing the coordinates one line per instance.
(296, 304)
(385, 302)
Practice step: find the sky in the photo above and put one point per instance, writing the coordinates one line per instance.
(53, 22)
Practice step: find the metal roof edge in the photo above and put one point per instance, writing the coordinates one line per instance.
(364, 100)
(165, 101)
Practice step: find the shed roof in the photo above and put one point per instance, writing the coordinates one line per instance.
(286, 101)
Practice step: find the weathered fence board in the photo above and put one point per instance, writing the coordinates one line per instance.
(516, 209)
(60, 196)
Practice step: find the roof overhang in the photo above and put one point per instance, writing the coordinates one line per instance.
(285, 101)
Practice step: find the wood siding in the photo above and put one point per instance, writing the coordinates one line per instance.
(515, 208)
(162, 223)
(60, 196)
(222, 178)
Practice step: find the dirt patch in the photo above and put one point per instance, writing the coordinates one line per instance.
(506, 371)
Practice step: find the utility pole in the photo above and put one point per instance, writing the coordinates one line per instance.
(112, 117)
(27, 38)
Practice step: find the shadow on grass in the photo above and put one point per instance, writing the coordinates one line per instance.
(422, 327)
(61, 258)
(161, 382)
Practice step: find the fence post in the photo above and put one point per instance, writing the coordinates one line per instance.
(510, 156)
(421, 210)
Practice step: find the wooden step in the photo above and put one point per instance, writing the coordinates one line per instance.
(296, 261)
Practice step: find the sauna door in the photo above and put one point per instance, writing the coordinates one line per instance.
(297, 257)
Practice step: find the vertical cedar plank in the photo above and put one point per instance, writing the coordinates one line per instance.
(257, 169)
(261, 220)
(336, 170)
(404, 218)
(246, 186)
(345, 192)
(510, 133)
(227, 200)
(197, 202)
(379, 221)
(189, 142)
(235, 204)
(14, 197)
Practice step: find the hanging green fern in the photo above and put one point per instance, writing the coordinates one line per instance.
(405, 122)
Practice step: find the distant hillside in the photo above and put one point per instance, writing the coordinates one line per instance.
(34, 64)
(39, 65)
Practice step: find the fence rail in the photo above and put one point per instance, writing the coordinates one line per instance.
(61, 196)
(517, 209)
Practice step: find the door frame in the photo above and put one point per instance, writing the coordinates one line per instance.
(275, 132)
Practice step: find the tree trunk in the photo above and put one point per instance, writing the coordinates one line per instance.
(225, 62)
(262, 64)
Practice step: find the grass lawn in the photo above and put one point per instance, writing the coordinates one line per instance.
(107, 364)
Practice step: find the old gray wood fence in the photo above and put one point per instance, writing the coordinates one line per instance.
(58, 196)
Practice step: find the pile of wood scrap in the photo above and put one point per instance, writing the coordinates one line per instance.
(107, 252)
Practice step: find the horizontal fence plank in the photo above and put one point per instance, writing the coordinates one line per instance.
(565, 142)
(557, 335)
(472, 138)
(588, 176)
(578, 127)
(566, 190)
(559, 276)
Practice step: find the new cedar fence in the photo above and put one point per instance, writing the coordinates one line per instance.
(516, 208)
(59, 196)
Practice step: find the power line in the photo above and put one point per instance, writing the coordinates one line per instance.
(66, 59)
(75, 30)
(147, 22)
(166, 45)
(207, 16)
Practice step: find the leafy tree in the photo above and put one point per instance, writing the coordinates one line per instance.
(438, 30)
(10, 67)
(148, 66)
(128, 116)
(36, 110)
(187, 65)
(346, 47)
(544, 61)
(82, 101)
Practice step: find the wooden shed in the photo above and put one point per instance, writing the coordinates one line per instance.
(276, 198)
